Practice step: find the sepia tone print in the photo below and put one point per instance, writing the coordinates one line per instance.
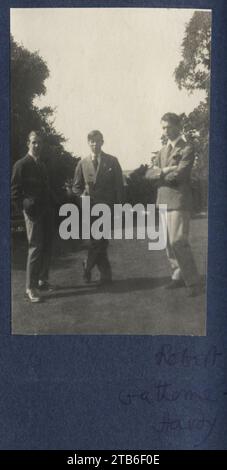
(117, 118)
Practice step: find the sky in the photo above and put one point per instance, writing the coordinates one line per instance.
(110, 69)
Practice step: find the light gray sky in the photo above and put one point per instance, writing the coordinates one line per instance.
(110, 69)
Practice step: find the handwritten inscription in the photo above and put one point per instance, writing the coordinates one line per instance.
(165, 392)
(196, 416)
(168, 355)
(202, 423)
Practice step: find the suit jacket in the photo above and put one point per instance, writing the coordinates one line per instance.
(174, 189)
(105, 185)
(30, 186)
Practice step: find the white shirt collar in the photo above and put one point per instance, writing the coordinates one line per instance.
(94, 157)
(174, 142)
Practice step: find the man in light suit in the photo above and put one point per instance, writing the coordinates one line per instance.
(172, 173)
(31, 194)
(100, 177)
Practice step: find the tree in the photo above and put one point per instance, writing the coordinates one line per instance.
(193, 73)
(28, 75)
(138, 188)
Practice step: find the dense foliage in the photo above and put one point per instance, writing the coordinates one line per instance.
(28, 75)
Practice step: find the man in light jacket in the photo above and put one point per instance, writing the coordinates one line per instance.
(172, 173)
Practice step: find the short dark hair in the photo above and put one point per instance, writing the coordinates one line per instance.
(172, 118)
(34, 132)
(94, 134)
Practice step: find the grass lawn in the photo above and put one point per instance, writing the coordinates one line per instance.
(136, 303)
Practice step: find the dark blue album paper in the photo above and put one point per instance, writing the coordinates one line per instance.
(113, 388)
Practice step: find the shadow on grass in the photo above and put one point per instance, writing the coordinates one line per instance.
(117, 287)
(199, 215)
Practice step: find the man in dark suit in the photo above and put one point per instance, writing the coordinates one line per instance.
(100, 177)
(172, 172)
(31, 193)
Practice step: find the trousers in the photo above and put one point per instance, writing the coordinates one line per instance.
(40, 236)
(98, 254)
(178, 248)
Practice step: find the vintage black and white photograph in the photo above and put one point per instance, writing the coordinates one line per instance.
(110, 116)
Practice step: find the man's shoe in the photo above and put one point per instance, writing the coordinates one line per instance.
(87, 274)
(175, 284)
(33, 295)
(46, 286)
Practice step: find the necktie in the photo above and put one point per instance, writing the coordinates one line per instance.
(169, 150)
(95, 163)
